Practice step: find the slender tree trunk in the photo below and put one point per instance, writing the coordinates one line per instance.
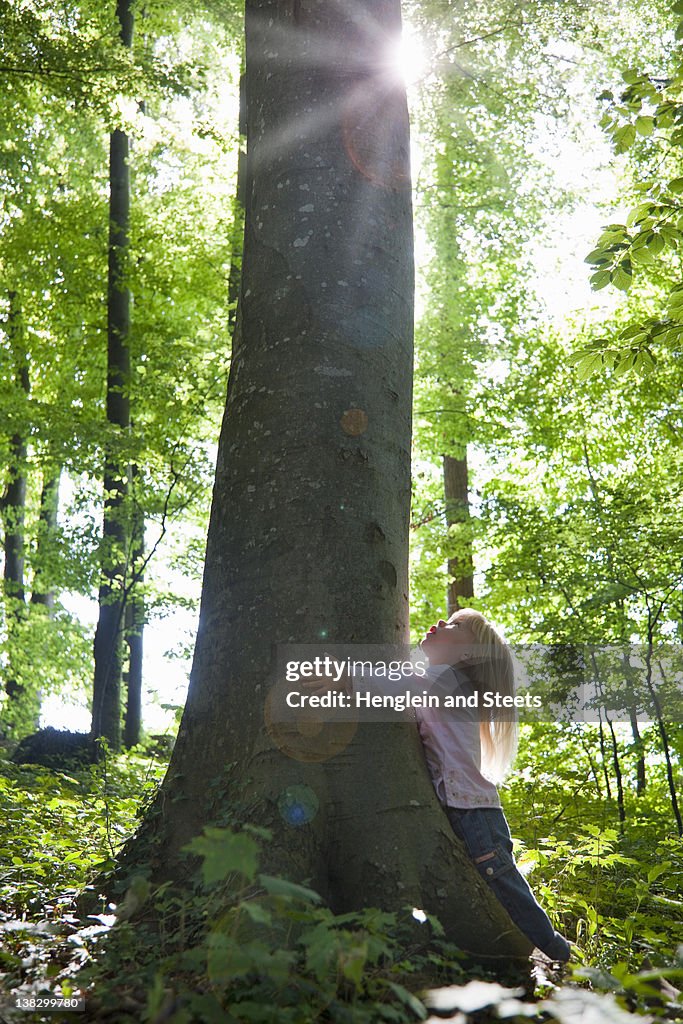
(621, 806)
(631, 677)
(460, 564)
(42, 592)
(308, 538)
(579, 735)
(641, 778)
(14, 506)
(106, 717)
(603, 756)
(664, 737)
(135, 625)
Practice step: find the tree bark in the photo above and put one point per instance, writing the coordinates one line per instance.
(308, 538)
(14, 499)
(14, 504)
(460, 564)
(106, 716)
(135, 625)
(641, 777)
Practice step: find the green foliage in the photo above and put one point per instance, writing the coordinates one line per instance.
(644, 119)
(67, 82)
(55, 827)
(612, 888)
(274, 952)
(251, 947)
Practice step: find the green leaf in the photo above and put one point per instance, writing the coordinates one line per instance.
(322, 946)
(640, 213)
(642, 255)
(256, 911)
(624, 138)
(672, 337)
(611, 234)
(624, 365)
(645, 125)
(658, 869)
(622, 278)
(676, 186)
(226, 959)
(352, 963)
(600, 280)
(675, 301)
(408, 999)
(599, 978)
(587, 365)
(288, 890)
(436, 925)
(597, 257)
(225, 852)
(670, 235)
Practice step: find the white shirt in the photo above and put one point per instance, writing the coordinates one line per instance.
(450, 737)
(453, 748)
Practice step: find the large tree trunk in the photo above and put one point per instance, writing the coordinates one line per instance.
(460, 567)
(308, 538)
(106, 715)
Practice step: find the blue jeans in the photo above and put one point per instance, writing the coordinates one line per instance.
(486, 835)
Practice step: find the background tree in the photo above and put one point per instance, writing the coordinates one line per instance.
(116, 531)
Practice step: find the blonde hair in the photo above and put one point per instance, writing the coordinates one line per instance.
(491, 668)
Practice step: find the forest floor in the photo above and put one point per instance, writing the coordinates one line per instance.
(278, 955)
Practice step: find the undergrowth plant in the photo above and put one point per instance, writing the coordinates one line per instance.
(274, 952)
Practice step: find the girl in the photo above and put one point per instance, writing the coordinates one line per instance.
(468, 752)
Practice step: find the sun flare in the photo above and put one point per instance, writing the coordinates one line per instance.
(406, 57)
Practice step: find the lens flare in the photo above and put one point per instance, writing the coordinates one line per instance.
(406, 58)
(298, 805)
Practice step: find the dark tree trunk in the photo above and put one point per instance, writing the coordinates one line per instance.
(42, 592)
(641, 778)
(14, 509)
(663, 736)
(14, 499)
(460, 567)
(14, 504)
(621, 806)
(603, 756)
(308, 538)
(135, 625)
(106, 717)
(631, 677)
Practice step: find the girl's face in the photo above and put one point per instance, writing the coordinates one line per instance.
(448, 643)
